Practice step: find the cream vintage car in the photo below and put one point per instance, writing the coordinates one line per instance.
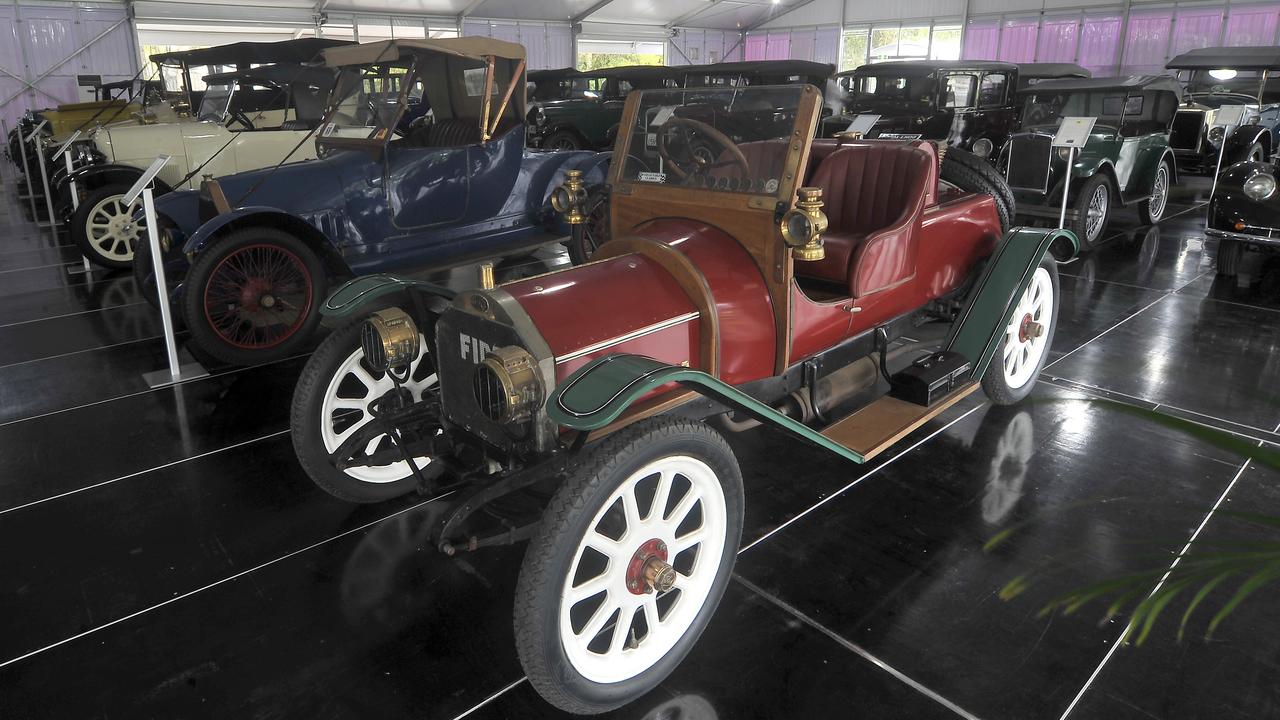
(247, 120)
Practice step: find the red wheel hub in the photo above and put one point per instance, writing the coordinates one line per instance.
(1025, 328)
(258, 296)
(636, 583)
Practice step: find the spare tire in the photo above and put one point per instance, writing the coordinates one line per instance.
(974, 174)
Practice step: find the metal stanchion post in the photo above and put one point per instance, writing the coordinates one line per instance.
(26, 167)
(65, 153)
(177, 371)
(1066, 189)
(48, 196)
(1229, 117)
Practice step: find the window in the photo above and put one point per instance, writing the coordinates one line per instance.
(946, 43)
(1112, 105)
(959, 89)
(1133, 106)
(992, 92)
(853, 49)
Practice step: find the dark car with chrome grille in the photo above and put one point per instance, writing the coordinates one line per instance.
(1218, 77)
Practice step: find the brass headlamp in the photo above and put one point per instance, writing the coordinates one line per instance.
(570, 198)
(802, 226)
(507, 386)
(389, 339)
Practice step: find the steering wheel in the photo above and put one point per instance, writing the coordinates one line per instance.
(686, 128)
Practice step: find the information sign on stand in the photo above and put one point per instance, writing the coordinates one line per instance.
(177, 372)
(1072, 134)
(861, 125)
(1228, 117)
(26, 167)
(64, 152)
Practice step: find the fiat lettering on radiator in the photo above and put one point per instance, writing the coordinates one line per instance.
(473, 349)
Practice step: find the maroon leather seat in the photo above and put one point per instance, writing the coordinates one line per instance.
(873, 196)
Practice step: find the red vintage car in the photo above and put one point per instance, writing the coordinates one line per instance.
(764, 279)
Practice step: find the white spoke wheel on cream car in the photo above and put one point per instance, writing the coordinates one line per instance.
(1152, 209)
(103, 227)
(336, 396)
(1092, 209)
(632, 556)
(1026, 340)
(253, 296)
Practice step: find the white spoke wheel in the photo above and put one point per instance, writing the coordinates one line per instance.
(335, 397)
(1026, 339)
(104, 229)
(633, 555)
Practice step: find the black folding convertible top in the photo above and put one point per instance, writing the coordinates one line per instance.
(1258, 57)
(626, 71)
(1052, 70)
(1128, 82)
(773, 67)
(283, 74)
(925, 67)
(247, 53)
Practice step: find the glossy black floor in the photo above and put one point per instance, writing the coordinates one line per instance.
(165, 557)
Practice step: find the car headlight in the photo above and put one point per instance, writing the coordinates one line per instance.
(1065, 154)
(1216, 133)
(982, 147)
(507, 386)
(1260, 186)
(539, 117)
(389, 339)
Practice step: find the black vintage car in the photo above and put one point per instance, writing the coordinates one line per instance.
(575, 110)
(1244, 213)
(967, 103)
(1217, 77)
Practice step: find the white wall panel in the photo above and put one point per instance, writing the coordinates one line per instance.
(50, 44)
(547, 45)
(862, 11)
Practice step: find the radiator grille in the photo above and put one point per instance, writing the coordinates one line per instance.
(1185, 134)
(1029, 157)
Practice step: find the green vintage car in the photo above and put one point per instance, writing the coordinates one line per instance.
(576, 110)
(1126, 161)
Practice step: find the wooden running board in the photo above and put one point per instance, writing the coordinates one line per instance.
(884, 422)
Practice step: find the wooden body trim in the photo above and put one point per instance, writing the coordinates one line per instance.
(690, 280)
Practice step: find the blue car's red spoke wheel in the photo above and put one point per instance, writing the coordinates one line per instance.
(258, 296)
(253, 296)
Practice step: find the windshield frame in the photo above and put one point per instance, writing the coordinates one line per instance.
(801, 137)
(224, 113)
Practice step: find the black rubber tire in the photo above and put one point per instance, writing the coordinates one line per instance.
(1230, 253)
(198, 276)
(304, 421)
(1256, 153)
(993, 380)
(80, 233)
(1081, 206)
(549, 556)
(587, 237)
(1144, 208)
(974, 174)
(142, 275)
(563, 140)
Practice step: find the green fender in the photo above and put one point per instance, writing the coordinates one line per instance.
(604, 388)
(1001, 284)
(357, 293)
(599, 392)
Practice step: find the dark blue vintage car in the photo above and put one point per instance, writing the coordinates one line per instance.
(249, 256)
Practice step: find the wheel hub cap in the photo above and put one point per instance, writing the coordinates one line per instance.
(1029, 328)
(649, 571)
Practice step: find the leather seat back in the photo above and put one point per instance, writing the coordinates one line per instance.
(874, 196)
(452, 133)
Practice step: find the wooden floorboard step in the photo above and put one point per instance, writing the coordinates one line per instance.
(887, 420)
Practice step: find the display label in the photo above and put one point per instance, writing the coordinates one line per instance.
(1230, 115)
(898, 136)
(652, 177)
(1074, 132)
(862, 124)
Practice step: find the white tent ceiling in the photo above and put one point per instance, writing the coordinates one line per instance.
(721, 14)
